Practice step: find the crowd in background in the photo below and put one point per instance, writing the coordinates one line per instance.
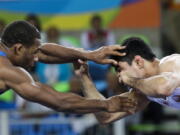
(62, 78)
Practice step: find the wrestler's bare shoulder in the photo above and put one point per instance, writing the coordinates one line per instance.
(11, 74)
(6, 68)
(4, 63)
(170, 63)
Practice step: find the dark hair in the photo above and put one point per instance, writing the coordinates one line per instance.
(35, 19)
(19, 32)
(96, 17)
(135, 46)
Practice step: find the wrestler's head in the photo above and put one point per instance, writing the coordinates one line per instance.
(96, 22)
(21, 41)
(139, 60)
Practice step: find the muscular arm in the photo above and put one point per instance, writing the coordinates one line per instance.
(104, 117)
(22, 83)
(164, 83)
(53, 53)
(157, 86)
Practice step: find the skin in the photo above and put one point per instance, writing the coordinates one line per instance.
(72, 54)
(13, 75)
(157, 78)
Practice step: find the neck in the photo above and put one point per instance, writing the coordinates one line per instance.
(4, 48)
(151, 68)
(156, 66)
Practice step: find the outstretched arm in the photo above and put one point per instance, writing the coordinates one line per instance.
(91, 92)
(157, 86)
(53, 53)
(104, 117)
(22, 83)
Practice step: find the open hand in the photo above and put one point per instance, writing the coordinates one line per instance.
(102, 54)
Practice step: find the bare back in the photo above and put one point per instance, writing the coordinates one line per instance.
(170, 65)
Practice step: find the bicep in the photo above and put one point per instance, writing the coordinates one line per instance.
(36, 92)
(19, 80)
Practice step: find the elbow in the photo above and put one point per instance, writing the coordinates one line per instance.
(164, 91)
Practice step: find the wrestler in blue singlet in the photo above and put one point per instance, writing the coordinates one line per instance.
(4, 55)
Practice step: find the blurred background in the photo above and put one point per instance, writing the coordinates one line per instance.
(90, 25)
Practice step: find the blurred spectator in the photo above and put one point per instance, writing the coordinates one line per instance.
(53, 35)
(96, 36)
(2, 25)
(169, 29)
(53, 73)
(34, 20)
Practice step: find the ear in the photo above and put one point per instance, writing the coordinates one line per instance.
(18, 49)
(139, 61)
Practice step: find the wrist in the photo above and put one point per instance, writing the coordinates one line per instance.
(104, 104)
(89, 55)
(107, 105)
(86, 75)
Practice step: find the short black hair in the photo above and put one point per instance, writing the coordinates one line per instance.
(96, 17)
(135, 46)
(35, 19)
(19, 32)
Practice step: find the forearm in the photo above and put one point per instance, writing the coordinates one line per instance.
(90, 91)
(89, 88)
(72, 103)
(45, 58)
(77, 104)
(64, 54)
(157, 86)
(21, 82)
(61, 102)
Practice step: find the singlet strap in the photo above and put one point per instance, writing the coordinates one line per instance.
(3, 54)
